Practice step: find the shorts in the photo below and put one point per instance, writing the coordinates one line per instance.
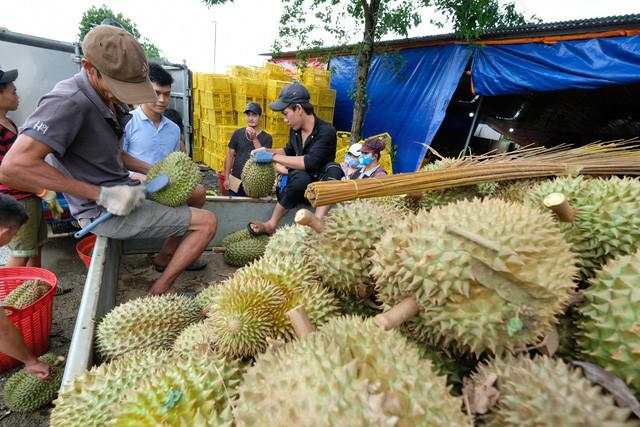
(32, 235)
(150, 220)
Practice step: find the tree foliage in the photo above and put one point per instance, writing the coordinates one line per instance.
(97, 15)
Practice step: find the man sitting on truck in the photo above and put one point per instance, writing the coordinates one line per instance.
(308, 156)
(80, 122)
(12, 217)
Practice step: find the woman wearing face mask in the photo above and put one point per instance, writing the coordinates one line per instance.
(350, 163)
(369, 159)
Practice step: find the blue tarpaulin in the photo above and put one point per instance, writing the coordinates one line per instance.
(408, 94)
(540, 67)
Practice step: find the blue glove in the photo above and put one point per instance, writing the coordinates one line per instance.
(262, 157)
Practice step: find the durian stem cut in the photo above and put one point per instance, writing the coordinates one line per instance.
(306, 217)
(300, 320)
(559, 204)
(398, 314)
(472, 237)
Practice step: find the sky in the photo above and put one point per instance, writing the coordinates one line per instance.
(184, 29)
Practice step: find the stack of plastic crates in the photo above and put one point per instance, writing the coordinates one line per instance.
(276, 126)
(344, 140)
(323, 98)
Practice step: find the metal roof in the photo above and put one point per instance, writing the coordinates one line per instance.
(577, 26)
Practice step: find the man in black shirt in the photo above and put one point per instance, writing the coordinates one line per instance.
(308, 156)
(242, 142)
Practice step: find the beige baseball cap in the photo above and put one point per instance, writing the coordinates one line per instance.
(121, 62)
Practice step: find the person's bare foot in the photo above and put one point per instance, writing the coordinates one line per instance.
(261, 228)
(160, 290)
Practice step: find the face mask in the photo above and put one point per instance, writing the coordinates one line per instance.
(365, 159)
(352, 162)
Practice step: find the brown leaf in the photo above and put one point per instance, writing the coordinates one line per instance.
(621, 392)
(550, 343)
(480, 397)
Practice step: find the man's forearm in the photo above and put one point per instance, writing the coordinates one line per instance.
(35, 175)
(228, 163)
(11, 342)
(291, 162)
(135, 165)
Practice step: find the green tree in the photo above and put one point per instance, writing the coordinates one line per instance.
(97, 15)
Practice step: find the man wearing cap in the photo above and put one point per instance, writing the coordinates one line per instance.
(243, 141)
(308, 156)
(80, 123)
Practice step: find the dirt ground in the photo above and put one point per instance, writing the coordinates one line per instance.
(136, 275)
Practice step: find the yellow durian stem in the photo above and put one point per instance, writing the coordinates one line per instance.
(300, 320)
(560, 206)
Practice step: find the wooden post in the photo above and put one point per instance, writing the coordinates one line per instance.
(398, 314)
(558, 203)
(306, 217)
(300, 321)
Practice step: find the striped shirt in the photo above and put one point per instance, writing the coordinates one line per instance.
(7, 138)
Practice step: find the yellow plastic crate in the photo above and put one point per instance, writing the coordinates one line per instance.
(326, 98)
(244, 72)
(280, 140)
(223, 134)
(277, 125)
(313, 95)
(217, 83)
(197, 153)
(275, 71)
(221, 117)
(274, 87)
(205, 129)
(312, 76)
(325, 113)
(252, 88)
(241, 101)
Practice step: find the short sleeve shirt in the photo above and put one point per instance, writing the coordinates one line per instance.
(84, 134)
(7, 138)
(318, 150)
(146, 142)
(243, 147)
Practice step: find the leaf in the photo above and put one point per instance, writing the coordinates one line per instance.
(621, 392)
(479, 398)
(514, 325)
(550, 343)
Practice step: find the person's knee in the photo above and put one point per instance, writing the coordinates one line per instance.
(198, 197)
(204, 221)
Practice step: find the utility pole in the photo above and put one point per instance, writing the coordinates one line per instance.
(215, 42)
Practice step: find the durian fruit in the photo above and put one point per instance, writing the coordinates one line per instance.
(606, 223)
(349, 372)
(567, 334)
(288, 242)
(250, 309)
(26, 293)
(206, 296)
(92, 397)
(192, 391)
(145, 323)
(184, 175)
(195, 338)
(516, 190)
(341, 253)
(236, 236)
(258, 179)
(488, 275)
(241, 253)
(610, 328)
(546, 392)
(24, 392)
(402, 203)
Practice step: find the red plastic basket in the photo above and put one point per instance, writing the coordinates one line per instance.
(84, 248)
(34, 321)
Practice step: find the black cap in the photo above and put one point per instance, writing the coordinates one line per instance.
(293, 93)
(254, 107)
(8, 76)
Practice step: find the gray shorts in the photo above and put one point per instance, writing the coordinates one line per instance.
(151, 220)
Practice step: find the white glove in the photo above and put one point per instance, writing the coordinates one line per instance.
(121, 199)
(50, 198)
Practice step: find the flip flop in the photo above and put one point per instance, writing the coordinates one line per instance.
(196, 265)
(262, 232)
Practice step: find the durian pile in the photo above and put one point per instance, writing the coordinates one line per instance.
(474, 308)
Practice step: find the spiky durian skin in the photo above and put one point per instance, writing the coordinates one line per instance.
(193, 391)
(470, 293)
(341, 252)
(288, 241)
(206, 296)
(24, 392)
(349, 372)
(184, 175)
(195, 338)
(546, 392)
(250, 308)
(258, 179)
(92, 397)
(610, 328)
(26, 293)
(145, 323)
(241, 253)
(606, 223)
(236, 236)
(516, 190)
